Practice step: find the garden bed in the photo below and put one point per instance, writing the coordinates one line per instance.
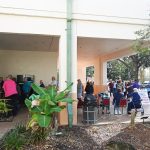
(97, 137)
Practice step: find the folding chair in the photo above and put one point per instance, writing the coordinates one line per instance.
(105, 104)
(123, 103)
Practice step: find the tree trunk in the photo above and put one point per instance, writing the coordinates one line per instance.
(135, 70)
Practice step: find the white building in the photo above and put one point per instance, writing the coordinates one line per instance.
(33, 37)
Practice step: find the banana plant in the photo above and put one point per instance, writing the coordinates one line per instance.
(43, 105)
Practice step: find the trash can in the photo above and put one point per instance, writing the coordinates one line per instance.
(90, 110)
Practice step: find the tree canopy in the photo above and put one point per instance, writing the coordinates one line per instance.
(128, 67)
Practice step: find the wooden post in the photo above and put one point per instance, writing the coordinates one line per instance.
(133, 114)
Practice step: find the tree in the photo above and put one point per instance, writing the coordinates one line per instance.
(142, 57)
(117, 69)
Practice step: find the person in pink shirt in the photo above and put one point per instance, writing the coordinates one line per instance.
(10, 90)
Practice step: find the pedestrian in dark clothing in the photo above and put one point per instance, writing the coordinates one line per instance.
(111, 86)
(129, 89)
(89, 88)
(135, 102)
(136, 84)
(116, 101)
(42, 84)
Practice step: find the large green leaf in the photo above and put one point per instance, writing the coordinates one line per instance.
(44, 120)
(69, 85)
(68, 100)
(51, 103)
(56, 109)
(28, 103)
(38, 90)
(44, 105)
(60, 96)
(64, 93)
(52, 91)
(33, 97)
(36, 109)
(35, 117)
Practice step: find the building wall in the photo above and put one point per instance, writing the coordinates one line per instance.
(41, 64)
(102, 18)
(105, 8)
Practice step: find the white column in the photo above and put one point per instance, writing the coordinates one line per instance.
(104, 73)
(74, 71)
(62, 62)
(74, 58)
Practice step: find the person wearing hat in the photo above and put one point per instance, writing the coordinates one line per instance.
(135, 102)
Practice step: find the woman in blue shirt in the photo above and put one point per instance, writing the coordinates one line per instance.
(136, 101)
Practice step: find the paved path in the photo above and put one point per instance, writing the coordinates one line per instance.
(111, 118)
(21, 118)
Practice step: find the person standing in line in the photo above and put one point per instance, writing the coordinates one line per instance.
(79, 93)
(42, 84)
(111, 85)
(89, 89)
(120, 85)
(26, 88)
(135, 102)
(1, 82)
(114, 87)
(1, 87)
(10, 90)
(116, 100)
(53, 82)
(136, 84)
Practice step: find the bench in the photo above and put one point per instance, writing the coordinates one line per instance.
(144, 117)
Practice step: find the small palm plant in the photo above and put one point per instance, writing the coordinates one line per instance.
(4, 108)
(44, 105)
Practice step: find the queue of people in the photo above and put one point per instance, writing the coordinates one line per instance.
(125, 87)
(118, 90)
(127, 90)
(15, 93)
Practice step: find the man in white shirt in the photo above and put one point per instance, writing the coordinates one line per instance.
(54, 82)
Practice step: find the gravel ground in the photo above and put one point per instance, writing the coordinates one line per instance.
(81, 138)
(97, 137)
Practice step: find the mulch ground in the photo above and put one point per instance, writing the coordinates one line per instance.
(97, 137)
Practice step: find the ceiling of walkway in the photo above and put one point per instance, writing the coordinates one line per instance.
(87, 47)
(92, 47)
(28, 42)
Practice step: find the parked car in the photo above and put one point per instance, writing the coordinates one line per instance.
(146, 85)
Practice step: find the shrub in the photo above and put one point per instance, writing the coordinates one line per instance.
(15, 139)
(42, 108)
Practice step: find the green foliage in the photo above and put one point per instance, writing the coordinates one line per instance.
(4, 108)
(15, 139)
(43, 105)
(117, 69)
(128, 67)
(90, 71)
(37, 136)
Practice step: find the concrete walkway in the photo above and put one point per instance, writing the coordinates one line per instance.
(111, 118)
(21, 118)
